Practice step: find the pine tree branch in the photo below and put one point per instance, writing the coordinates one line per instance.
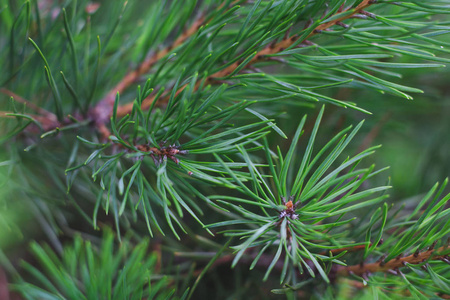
(394, 264)
(44, 113)
(103, 110)
(260, 56)
(46, 123)
(360, 269)
(265, 260)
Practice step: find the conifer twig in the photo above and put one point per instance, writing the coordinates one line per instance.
(40, 110)
(103, 110)
(45, 122)
(260, 56)
(104, 107)
(393, 264)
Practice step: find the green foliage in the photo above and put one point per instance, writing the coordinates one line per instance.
(305, 205)
(421, 228)
(162, 118)
(87, 272)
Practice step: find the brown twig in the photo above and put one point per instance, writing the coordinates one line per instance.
(361, 269)
(103, 110)
(260, 56)
(393, 264)
(4, 291)
(45, 118)
(266, 260)
(47, 123)
(40, 110)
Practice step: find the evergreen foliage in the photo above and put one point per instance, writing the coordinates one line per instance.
(168, 140)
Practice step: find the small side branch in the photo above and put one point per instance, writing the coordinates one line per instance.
(393, 264)
(41, 111)
(45, 123)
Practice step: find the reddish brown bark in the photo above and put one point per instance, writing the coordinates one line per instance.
(393, 264)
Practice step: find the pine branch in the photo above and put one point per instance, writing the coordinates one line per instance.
(40, 110)
(265, 260)
(205, 156)
(103, 110)
(45, 122)
(260, 56)
(46, 119)
(394, 264)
